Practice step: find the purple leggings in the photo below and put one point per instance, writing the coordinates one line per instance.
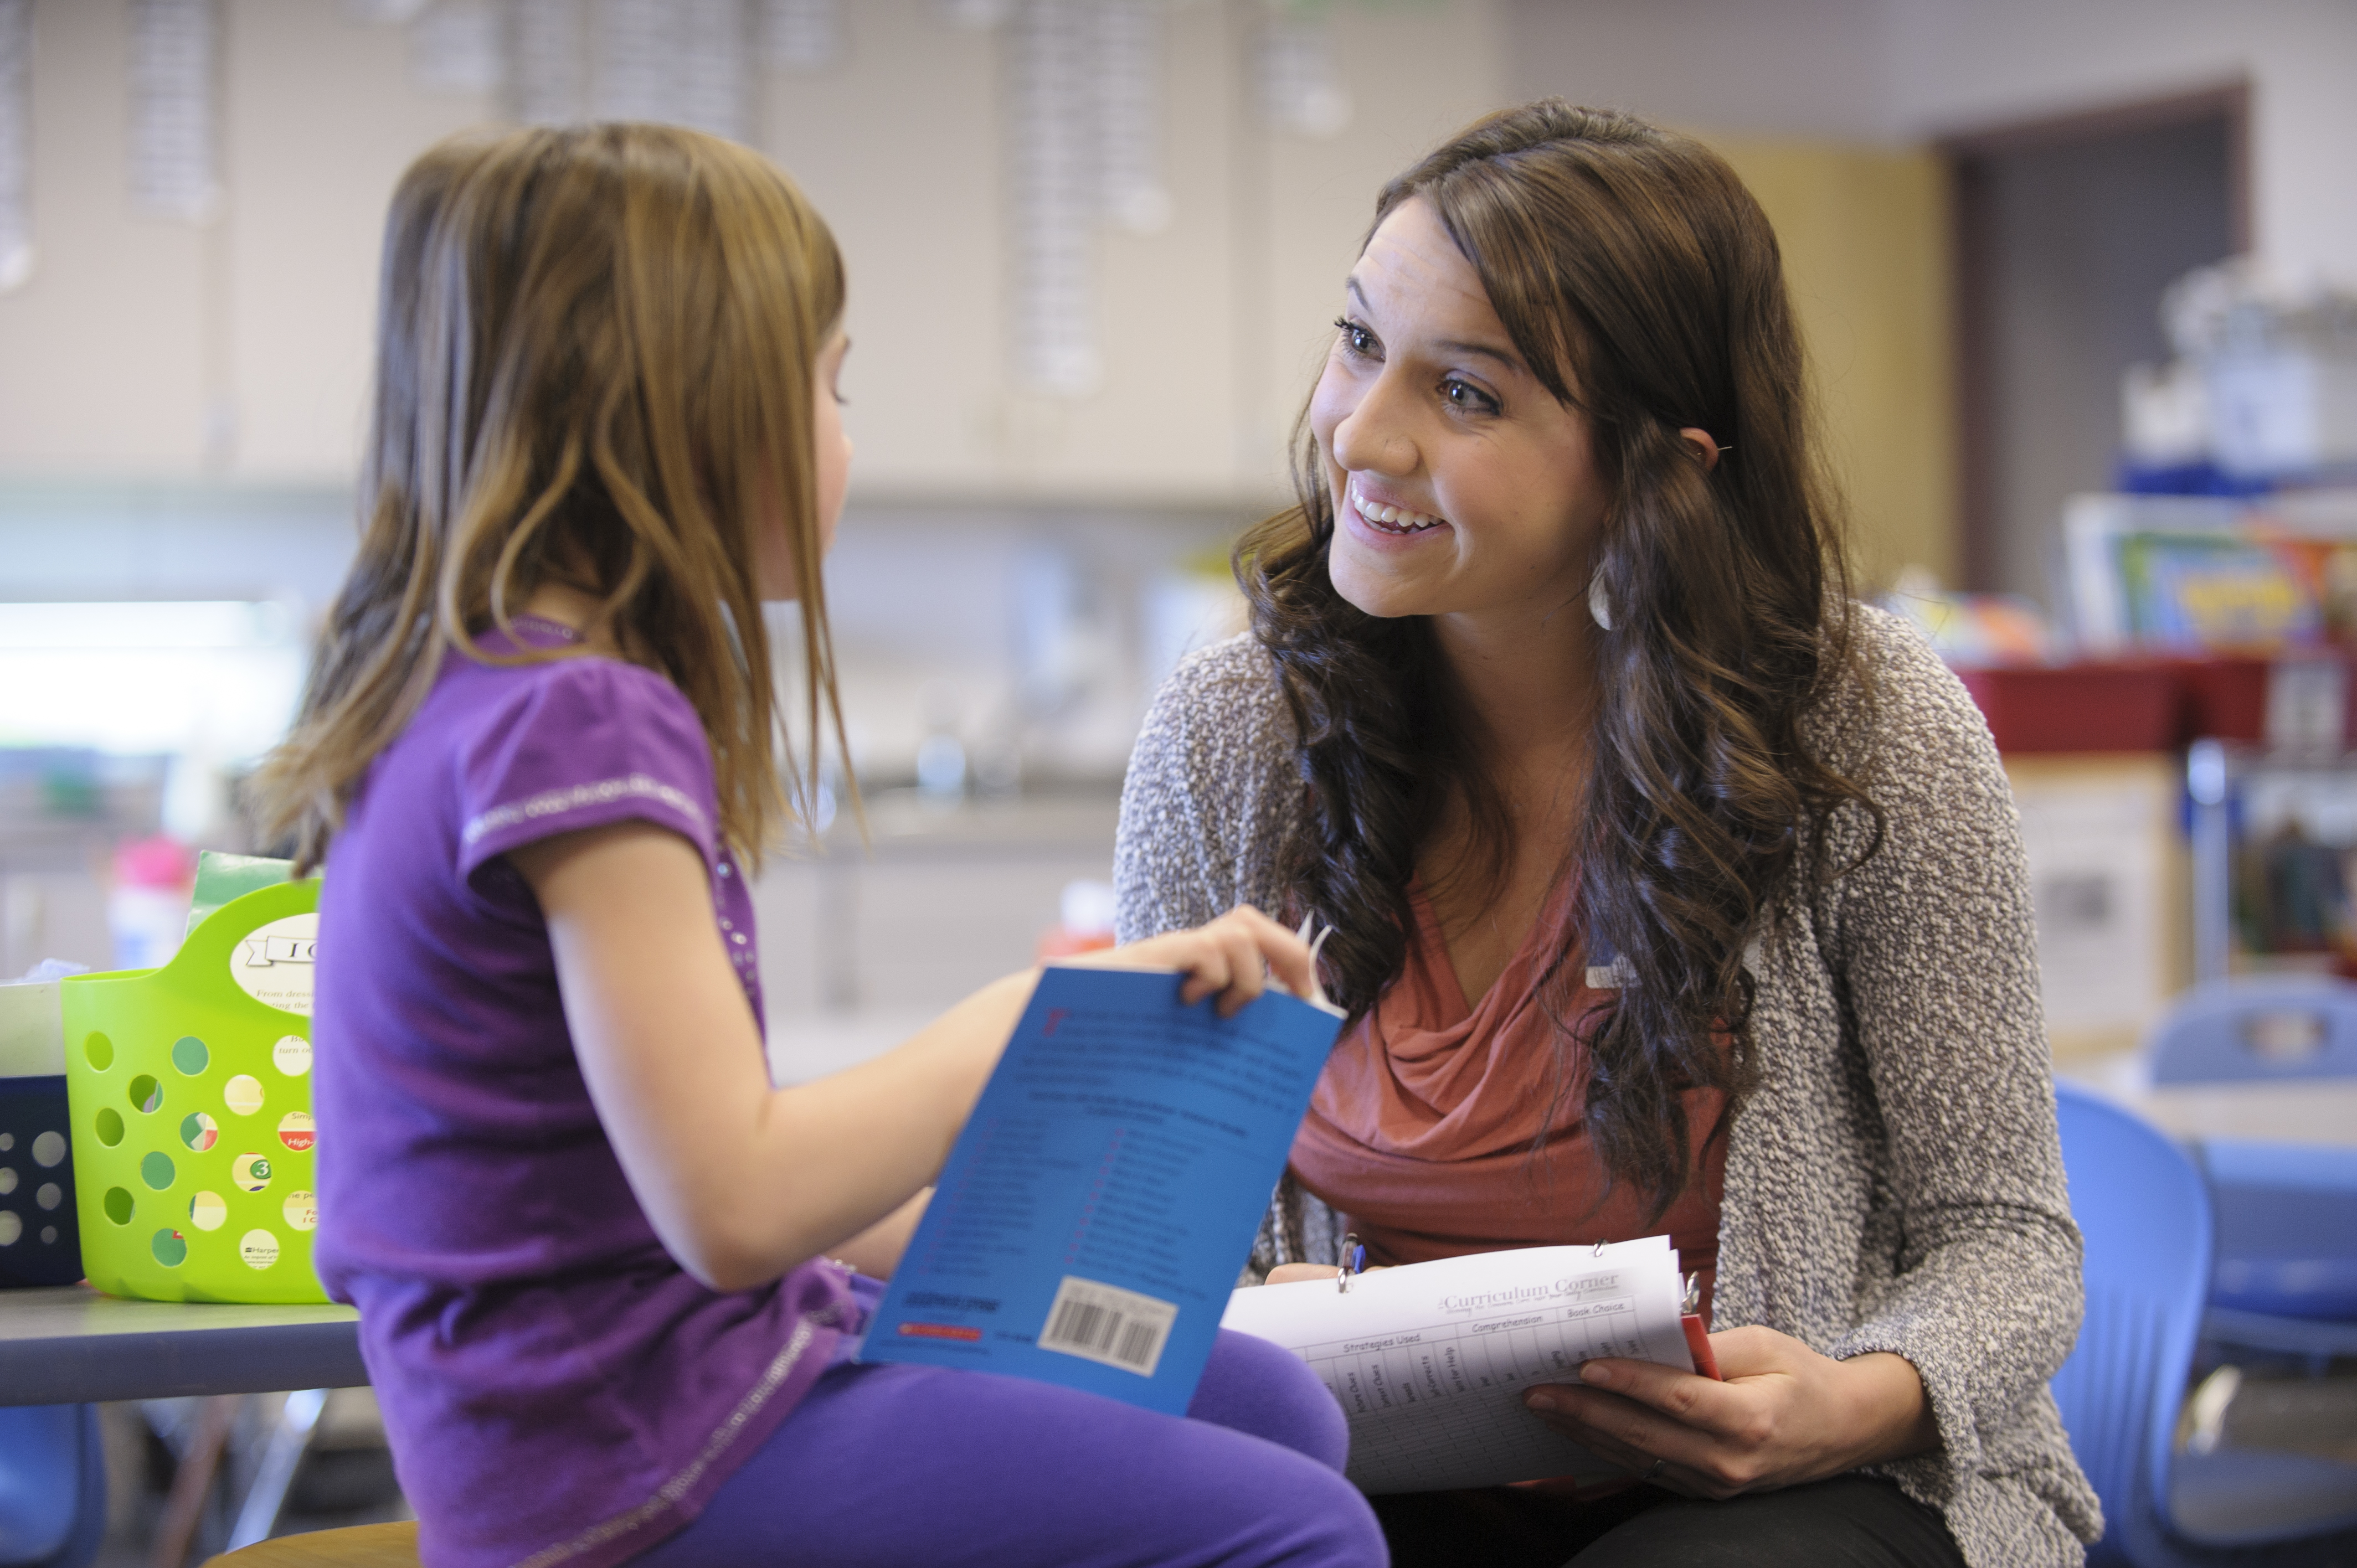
(928, 1468)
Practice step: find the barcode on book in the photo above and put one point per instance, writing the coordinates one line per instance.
(1105, 1323)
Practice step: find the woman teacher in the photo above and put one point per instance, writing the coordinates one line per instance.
(1671, 889)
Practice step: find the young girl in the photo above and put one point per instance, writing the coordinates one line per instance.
(1673, 892)
(609, 1280)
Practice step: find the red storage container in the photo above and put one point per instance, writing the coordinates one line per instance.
(2226, 698)
(2079, 707)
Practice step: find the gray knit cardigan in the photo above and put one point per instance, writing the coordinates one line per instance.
(1895, 1183)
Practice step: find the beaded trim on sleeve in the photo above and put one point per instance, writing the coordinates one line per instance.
(580, 797)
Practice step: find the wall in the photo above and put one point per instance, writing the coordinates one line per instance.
(239, 349)
(1899, 71)
(1864, 234)
(1789, 69)
(1960, 64)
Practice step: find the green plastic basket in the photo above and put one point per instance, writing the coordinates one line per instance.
(190, 1089)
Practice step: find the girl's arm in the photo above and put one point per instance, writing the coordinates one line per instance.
(742, 1181)
(875, 1251)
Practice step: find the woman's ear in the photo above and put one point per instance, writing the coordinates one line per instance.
(1695, 437)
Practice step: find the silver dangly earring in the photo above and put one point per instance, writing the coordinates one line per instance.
(1599, 606)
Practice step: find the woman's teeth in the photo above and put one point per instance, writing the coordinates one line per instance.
(1391, 519)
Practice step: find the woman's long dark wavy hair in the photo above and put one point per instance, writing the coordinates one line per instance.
(1643, 283)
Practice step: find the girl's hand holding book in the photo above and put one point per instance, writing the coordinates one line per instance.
(1233, 958)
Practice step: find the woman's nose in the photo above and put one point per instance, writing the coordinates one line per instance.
(1373, 437)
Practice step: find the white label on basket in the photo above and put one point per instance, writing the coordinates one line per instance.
(207, 1211)
(273, 963)
(296, 1131)
(243, 1094)
(302, 1210)
(292, 1054)
(259, 1248)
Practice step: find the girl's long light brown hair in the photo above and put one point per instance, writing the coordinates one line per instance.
(595, 351)
(1643, 284)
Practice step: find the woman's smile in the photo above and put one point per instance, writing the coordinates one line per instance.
(1369, 506)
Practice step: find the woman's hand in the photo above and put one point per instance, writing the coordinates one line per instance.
(1784, 1415)
(1230, 958)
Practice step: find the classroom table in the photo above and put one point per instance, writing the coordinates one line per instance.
(68, 1344)
(2285, 1111)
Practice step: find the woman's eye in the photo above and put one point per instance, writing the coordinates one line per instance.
(1464, 395)
(1356, 339)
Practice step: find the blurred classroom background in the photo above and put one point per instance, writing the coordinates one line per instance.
(2079, 279)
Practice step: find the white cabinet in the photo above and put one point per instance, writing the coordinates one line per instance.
(242, 348)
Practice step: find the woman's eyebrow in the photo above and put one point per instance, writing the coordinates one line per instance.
(1502, 355)
(1505, 356)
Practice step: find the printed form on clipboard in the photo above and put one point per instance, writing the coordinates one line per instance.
(1430, 1360)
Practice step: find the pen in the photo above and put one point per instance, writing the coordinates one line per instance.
(1354, 1261)
(1698, 1337)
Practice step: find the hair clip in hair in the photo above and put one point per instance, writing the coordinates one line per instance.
(1607, 969)
(1316, 941)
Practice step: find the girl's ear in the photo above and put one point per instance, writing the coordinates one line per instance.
(1704, 449)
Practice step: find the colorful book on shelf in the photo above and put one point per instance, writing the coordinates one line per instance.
(1976, 630)
(1104, 1193)
(2194, 593)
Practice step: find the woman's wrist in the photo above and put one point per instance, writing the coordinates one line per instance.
(1891, 1411)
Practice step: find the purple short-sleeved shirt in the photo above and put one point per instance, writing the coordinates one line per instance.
(557, 1390)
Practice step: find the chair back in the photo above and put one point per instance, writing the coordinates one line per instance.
(2255, 1028)
(2145, 1216)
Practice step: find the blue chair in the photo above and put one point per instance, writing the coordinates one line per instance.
(2258, 1027)
(2285, 1277)
(52, 1486)
(2146, 1214)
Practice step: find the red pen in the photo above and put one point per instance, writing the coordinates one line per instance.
(1697, 1336)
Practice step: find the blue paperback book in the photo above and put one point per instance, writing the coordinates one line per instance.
(1094, 1213)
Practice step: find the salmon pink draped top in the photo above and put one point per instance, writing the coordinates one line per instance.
(1423, 1127)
